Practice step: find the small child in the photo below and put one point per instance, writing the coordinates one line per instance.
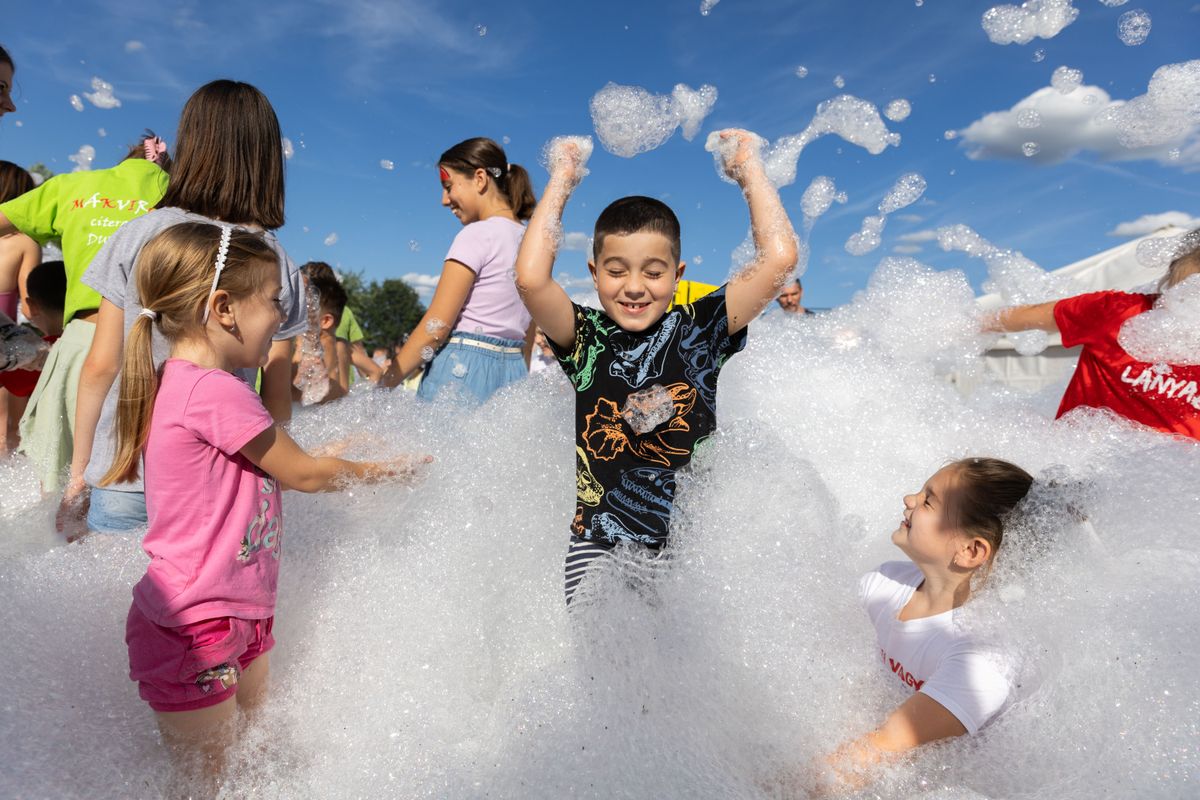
(1107, 376)
(42, 305)
(200, 625)
(321, 361)
(951, 531)
(645, 377)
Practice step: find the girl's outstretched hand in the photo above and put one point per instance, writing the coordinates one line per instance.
(404, 469)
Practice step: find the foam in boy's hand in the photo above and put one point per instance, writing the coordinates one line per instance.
(568, 154)
(645, 410)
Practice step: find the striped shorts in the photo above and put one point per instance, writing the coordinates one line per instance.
(581, 556)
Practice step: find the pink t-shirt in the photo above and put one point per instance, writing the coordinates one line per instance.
(489, 249)
(214, 518)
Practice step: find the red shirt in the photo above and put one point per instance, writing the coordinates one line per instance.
(22, 382)
(1108, 377)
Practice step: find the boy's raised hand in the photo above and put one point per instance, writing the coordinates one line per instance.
(566, 158)
(740, 151)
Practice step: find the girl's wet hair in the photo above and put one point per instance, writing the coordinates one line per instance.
(228, 161)
(511, 179)
(15, 181)
(984, 494)
(1186, 264)
(175, 272)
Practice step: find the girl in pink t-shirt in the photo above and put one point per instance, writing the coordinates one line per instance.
(477, 334)
(200, 625)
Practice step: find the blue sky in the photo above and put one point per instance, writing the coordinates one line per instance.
(360, 81)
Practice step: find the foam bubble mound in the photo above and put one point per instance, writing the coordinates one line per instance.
(424, 650)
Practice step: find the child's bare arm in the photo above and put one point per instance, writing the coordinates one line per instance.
(278, 455)
(774, 238)
(547, 302)
(1022, 318)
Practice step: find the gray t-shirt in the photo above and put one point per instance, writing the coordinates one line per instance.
(111, 274)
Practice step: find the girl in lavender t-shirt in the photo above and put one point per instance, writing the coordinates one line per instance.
(476, 335)
(200, 626)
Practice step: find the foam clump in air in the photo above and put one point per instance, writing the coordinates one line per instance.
(801, 71)
(1169, 333)
(1114, 3)
(1066, 80)
(555, 154)
(1158, 252)
(630, 120)
(102, 95)
(1045, 19)
(819, 197)
(1168, 112)
(706, 6)
(1031, 149)
(648, 408)
(289, 149)
(331, 239)
(1029, 118)
(76, 102)
(839, 81)
(83, 158)
(388, 164)
(1133, 28)
(898, 110)
(906, 191)
(853, 119)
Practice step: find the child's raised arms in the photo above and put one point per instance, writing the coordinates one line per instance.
(277, 454)
(752, 289)
(547, 302)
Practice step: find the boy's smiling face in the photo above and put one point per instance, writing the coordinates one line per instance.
(635, 276)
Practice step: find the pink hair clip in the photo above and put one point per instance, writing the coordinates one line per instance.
(155, 148)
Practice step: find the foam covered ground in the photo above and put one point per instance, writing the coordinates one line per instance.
(425, 651)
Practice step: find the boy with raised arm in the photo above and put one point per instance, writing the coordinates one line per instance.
(645, 377)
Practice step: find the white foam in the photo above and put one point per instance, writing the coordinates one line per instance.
(1170, 332)
(288, 149)
(414, 246)
(481, 30)
(801, 71)
(898, 110)
(630, 120)
(331, 239)
(707, 5)
(1030, 149)
(1114, 3)
(75, 102)
(1045, 19)
(839, 81)
(83, 158)
(819, 197)
(906, 191)
(1066, 80)
(1029, 118)
(102, 95)
(1167, 113)
(388, 164)
(553, 153)
(1133, 28)
(1039, 55)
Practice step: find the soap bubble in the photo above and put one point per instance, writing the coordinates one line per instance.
(102, 133)
(102, 95)
(646, 409)
(76, 103)
(1029, 118)
(414, 246)
(1009, 24)
(1066, 79)
(288, 149)
(707, 6)
(459, 370)
(1030, 149)
(387, 164)
(1133, 27)
(331, 239)
(839, 81)
(83, 158)
(629, 120)
(435, 326)
(1039, 55)
(898, 110)
(801, 71)
(481, 30)
(950, 135)
(1169, 332)
(427, 353)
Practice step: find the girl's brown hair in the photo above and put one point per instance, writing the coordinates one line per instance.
(985, 492)
(228, 157)
(5, 58)
(15, 181)
(174, 278)
(511, 179)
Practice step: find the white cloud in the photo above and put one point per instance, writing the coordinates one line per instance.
(1148, 223)
(907, 249)
(134, 46)
(910, 217)
(577, 241)
(919, 236)
(422, 283)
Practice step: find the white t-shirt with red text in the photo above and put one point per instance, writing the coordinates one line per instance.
(934, 655)
(215, 520)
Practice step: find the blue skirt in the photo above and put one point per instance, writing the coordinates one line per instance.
(474, 367)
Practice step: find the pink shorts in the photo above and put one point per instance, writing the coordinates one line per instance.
(192, 666)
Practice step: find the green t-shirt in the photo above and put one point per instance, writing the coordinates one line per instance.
(348, 328)
(81, 210)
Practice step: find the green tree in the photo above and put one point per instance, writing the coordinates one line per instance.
(386, 311)
(41, 170)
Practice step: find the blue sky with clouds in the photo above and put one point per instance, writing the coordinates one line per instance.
(360, 81)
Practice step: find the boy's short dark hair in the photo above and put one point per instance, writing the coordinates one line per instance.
(637, 214)
(46, 285)
(323, 280)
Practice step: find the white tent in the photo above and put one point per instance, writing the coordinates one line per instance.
(1117, 268)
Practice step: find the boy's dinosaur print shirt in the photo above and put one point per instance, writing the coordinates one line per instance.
(627, 449)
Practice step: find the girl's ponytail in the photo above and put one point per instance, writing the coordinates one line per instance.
(519, 190)
(135, 403)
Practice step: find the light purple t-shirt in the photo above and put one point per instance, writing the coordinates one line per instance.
(214, 518)
(489, 249)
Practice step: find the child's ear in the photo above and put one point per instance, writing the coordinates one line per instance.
(679, 271)
(327, 322)
(220, 309)
(974, 553)
(592, 270)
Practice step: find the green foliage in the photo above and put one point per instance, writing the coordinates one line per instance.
(386, 311)
(41, 169)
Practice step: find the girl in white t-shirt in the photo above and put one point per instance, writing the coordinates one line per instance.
(476, 336)
(951, 530)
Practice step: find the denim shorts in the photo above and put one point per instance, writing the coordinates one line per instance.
(116, 512)
(474, 367)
